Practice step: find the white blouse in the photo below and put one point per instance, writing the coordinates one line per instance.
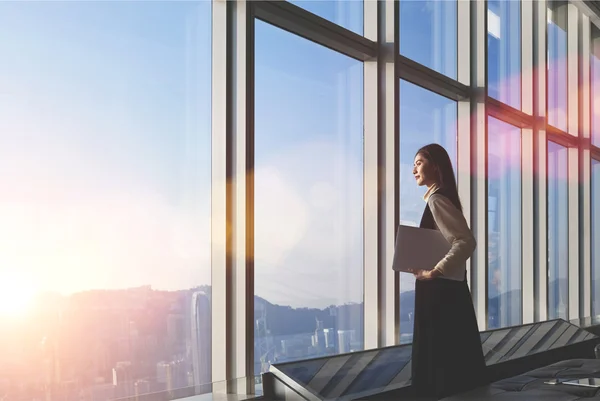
(453, 226)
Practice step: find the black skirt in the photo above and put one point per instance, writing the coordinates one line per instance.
(447, 357)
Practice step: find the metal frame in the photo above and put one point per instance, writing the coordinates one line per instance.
(540, 156)
(388, 311)
(463, 173)
(371, 187)
(528, 166)
(595, 153)
(232, 185)
(509, 114)
(573, 156)
(296, 20)
(432, 80)
(479, 139)
(585, 268)
(220, 154)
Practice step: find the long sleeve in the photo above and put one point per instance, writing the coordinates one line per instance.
(453, 226)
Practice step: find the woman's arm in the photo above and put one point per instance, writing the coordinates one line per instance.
(453, 226)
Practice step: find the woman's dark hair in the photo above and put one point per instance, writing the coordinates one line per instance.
(439, 158)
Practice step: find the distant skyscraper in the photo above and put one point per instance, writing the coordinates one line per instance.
(201, 341)
(122, 379)
(345, 340)
(329, 335)
(141, 387)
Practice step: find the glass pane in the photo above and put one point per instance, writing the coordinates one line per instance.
(557, 64)
(504, 224)
(428, 34)
(595, 78)
(425, 117)
(308, 200)
(348, 14)
(558, 232)
(504, 51)
(595, 237)
(105, 160)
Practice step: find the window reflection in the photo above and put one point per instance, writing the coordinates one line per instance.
(348, 14)
(595, 237)
(504, 51)
(558, 229)
(557, 64)
(504, 224)
(425, 117)
(308, 200)
(428, 34)
(105, 153)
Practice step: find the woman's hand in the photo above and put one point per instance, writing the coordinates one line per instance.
(426, 274)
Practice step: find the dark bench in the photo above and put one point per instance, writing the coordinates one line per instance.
(530, 386)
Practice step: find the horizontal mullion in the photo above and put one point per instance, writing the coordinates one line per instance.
(509, 114)
(595, 152)
(561, 137)
(432, 80)
(592, 4)
(303, 23)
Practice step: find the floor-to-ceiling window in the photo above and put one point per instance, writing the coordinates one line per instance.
(428, 34)
(557, 64)
(504, 51)
(425, 117)
(558, 232)
(348, 14)
(504, 224)
(308, 199)
(105, 124)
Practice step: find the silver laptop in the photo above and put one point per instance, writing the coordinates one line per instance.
(418, 249)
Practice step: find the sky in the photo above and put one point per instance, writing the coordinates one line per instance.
(105, 146)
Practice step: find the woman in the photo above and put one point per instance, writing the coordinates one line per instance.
(447, 357)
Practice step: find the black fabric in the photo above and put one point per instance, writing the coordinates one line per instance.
(446, 355)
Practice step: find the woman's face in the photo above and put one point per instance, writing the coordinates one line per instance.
(424, 171)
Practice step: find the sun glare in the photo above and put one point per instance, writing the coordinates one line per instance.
(16, 295)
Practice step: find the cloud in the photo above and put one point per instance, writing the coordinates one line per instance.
(107, 240)
(308, 226)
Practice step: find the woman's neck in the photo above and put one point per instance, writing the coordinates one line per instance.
(430, 190)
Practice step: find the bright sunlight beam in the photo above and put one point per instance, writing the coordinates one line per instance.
(16, 294)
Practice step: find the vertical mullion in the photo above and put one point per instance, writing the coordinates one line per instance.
(527, 197)
(371, 188)
(585, 168)
(573, 154)
(233, 292)
(463, 118)
(388, 173)
(540, 160)
(479, 158)
(219, 197)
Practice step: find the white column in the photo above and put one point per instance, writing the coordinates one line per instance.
(573, 174)
(540, 160)
(371, 187)
(478, 159)
(219, 157)
(527, 163)
(464, 151)
(585, 233)
(389, 307)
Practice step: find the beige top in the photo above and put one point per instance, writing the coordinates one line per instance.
(453, 226)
